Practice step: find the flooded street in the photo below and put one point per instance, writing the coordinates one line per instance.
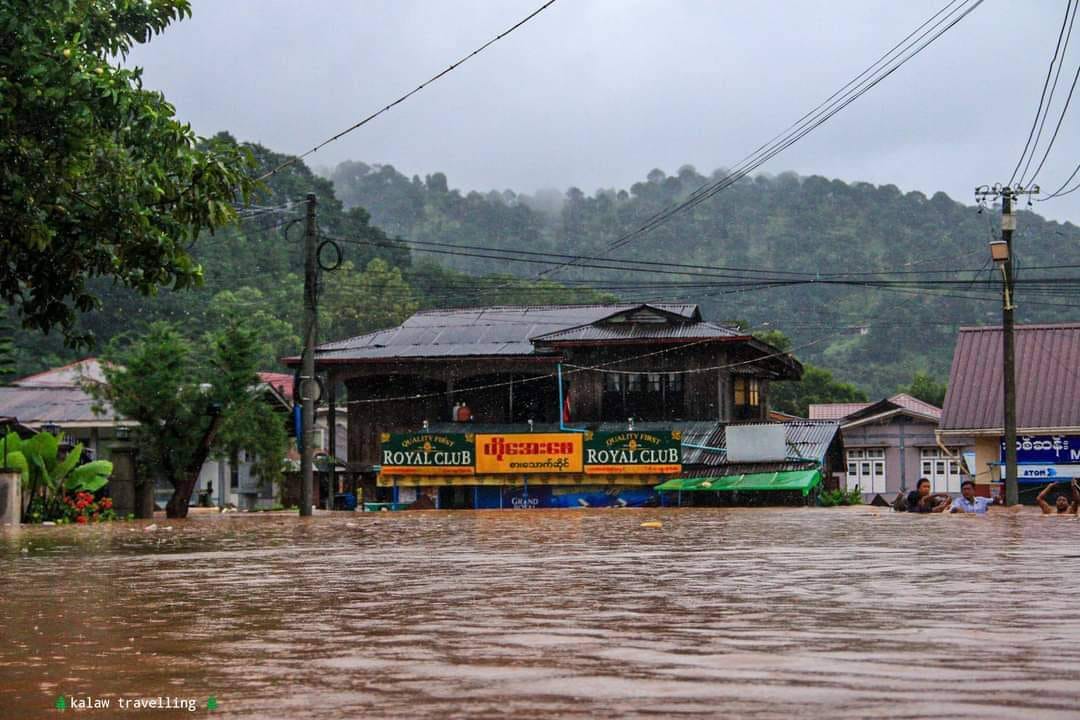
(744, 613)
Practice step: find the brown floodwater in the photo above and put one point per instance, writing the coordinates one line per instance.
(767, 613)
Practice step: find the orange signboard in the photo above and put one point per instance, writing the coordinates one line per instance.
(529, 453)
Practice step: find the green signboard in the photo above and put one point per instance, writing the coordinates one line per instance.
(633, 452)
(426, 453)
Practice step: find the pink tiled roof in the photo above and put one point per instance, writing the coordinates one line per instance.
(283, 382)
(835, 411)
(839, 411)
(916, 405)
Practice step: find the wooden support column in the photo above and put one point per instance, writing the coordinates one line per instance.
(331, 422)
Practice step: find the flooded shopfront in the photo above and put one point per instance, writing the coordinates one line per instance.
(761, 613)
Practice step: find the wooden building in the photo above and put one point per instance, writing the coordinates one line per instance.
(569, 368)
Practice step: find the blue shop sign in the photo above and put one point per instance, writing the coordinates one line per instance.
(1046, 449)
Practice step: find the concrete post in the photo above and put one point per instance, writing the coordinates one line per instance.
(122, 482)
(10, 497)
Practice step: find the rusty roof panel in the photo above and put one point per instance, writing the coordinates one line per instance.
(480, 331)
(1047, 379)
(603, 332)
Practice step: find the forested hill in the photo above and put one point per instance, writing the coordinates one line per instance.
(773, 230)
(786, 226)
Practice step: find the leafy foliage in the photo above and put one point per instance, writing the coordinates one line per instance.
(927, 389)
(876, 339)
(839, 496)
(189, 400)
(47, 478)
(99, 178)
(817, 384)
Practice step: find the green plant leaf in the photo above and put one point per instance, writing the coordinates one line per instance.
(43, 445)
(17, 461)
(68, 463)
(90, 477)
(12, 442)
(42, 475)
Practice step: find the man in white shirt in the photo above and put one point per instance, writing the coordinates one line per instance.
(968, 503)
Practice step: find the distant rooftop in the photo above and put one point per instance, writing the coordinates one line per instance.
(840, 411)
(69, 375)
(526, 330)
(1047, 379)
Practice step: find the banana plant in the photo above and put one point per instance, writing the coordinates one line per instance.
(47, 477)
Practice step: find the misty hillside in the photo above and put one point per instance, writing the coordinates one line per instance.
(876, 338)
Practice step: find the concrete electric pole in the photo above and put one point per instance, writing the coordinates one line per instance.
(308, 386)
(1002, 254)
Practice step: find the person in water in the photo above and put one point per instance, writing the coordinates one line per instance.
(1061, 506)
(920, 500)
(968, 503)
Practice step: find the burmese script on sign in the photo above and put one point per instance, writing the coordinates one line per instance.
(529, 453)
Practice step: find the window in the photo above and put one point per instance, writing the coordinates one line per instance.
(674, 409)
(940, 469)
(866, 469)
(747, 397)
(646, 396)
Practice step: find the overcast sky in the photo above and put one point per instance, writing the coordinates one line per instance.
(595, 93)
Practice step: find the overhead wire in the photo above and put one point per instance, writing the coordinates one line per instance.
(1043, 108)
(815, 119)
(1061, 119)
(406, 96)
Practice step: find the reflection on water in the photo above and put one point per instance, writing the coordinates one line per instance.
(751, 613)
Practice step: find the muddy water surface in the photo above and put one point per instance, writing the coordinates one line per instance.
(540, 614)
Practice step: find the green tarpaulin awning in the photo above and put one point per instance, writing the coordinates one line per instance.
(801, 480)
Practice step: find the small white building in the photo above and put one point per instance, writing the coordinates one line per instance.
(56, 399)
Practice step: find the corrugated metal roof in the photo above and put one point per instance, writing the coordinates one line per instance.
(479, 331)
(605, 331)
(839, 411)
(61, 405)
(835, 411)
(915, 404)
(282, 382)
(1047, 378)
(69, 375)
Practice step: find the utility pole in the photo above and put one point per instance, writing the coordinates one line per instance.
(308, 386)
(1002, 254)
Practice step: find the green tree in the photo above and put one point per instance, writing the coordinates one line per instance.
(184, 396)
(99, 177)
(358, 302)
(278, 336)
(927, 389)
(7, 349)
(817, 386)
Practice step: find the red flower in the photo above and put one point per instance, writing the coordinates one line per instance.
(106, 503)
(81, 519)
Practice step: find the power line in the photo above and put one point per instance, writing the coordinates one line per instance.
(1061, 118)
(593, 368)
(815, 120)
(412, 92)
(1044, 109)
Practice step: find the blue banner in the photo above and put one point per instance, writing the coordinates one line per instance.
(1046, 450)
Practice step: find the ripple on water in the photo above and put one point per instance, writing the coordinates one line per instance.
(751, 613)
